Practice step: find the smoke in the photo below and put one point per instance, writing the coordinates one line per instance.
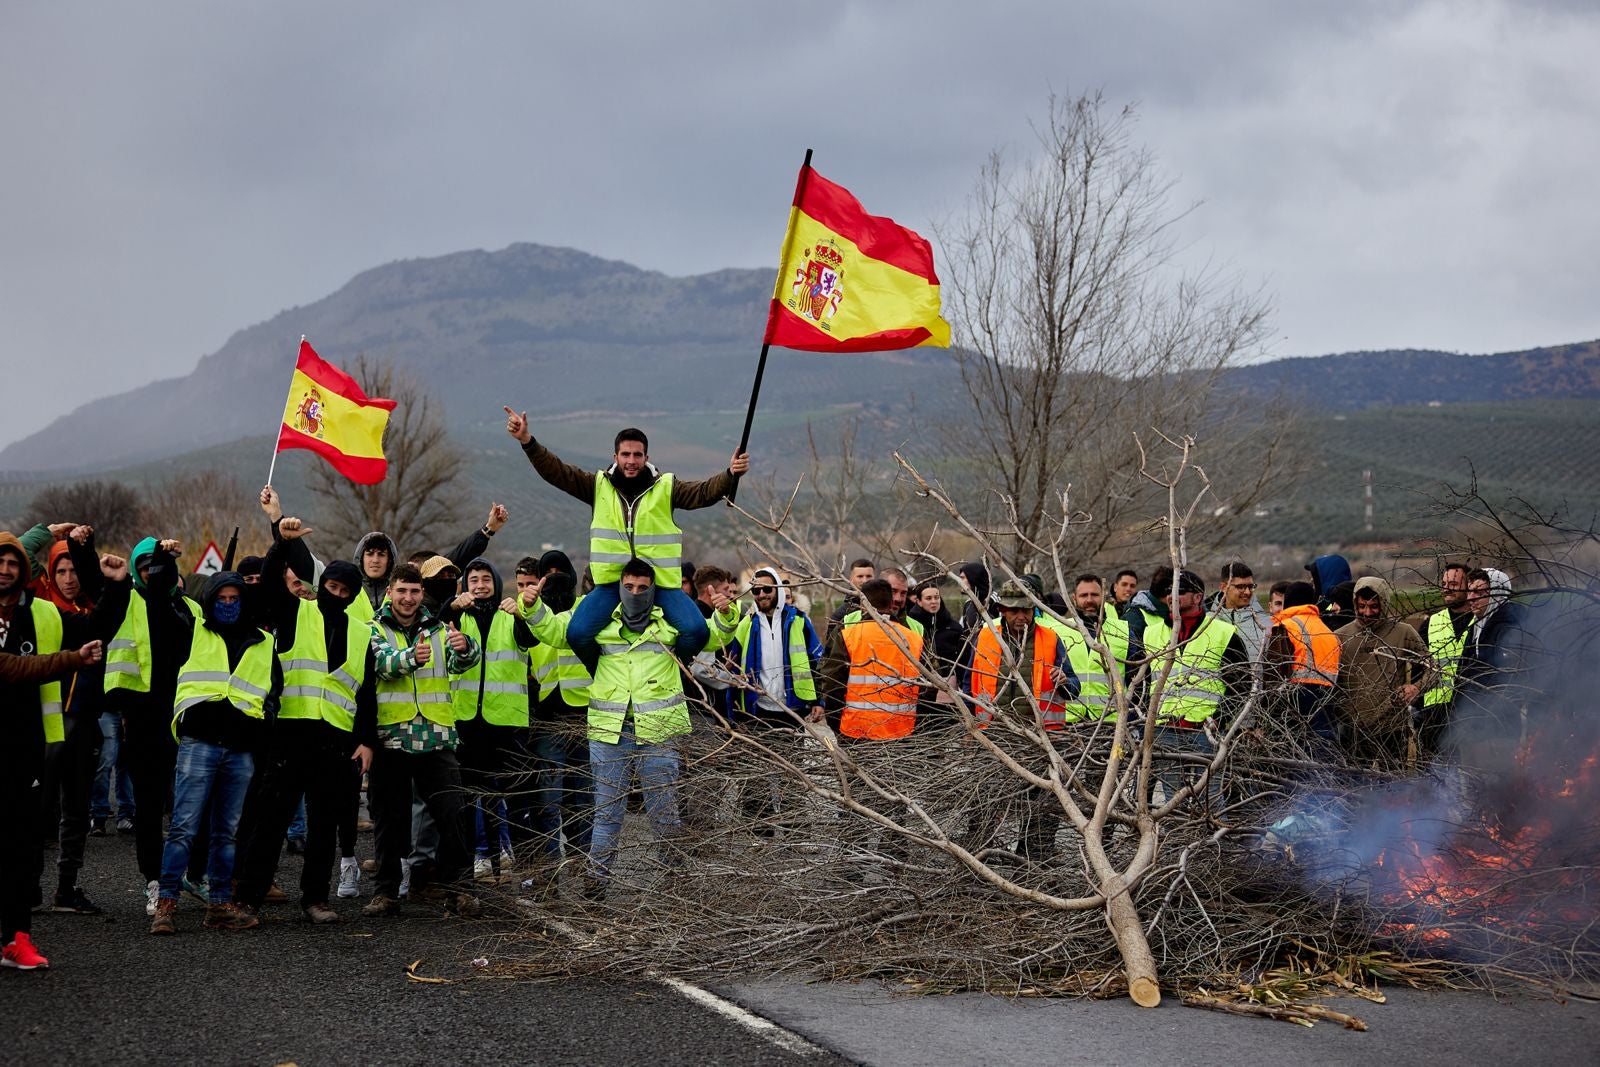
(1492, 855)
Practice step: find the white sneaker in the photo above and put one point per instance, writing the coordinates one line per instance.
(508, 865)
(405, 878)
(152, 894)
(482, 869)
(349, 877)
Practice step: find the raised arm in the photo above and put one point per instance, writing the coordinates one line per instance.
(574, 481)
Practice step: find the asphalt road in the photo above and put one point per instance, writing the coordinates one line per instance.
(289, 992)
(293, 993)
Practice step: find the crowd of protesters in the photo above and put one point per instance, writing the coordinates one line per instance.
(496, 732)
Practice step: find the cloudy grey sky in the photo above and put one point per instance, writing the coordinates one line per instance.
(1394, 174)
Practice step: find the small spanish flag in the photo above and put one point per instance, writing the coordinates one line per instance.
(850, 281)
(329, 413)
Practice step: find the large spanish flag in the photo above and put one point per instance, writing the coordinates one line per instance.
(850, 281)
(329, 413)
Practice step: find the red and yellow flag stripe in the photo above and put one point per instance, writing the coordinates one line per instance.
(330, 414)
(850, 281)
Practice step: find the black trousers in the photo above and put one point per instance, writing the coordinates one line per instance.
(497, 764)
(64, 785)
(436, 776)
(152, 756)
(19, 837)
(319, 770)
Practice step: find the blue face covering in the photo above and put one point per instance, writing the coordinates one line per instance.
(226, 612)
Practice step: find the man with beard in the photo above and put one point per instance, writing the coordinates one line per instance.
(1382, 667)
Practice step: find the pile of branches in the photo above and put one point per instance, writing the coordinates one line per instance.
(1095, 860)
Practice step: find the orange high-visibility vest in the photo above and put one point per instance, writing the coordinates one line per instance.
(880, 697)
(988, 662)
(1316, 648)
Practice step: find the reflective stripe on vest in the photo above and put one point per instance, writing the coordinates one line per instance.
(310, 690)
(988, 664)
(1194, 687)
(568, 672)
(425, 692)
(47, 641)
(1316, 648)
(634, 675)
(799, 682)
(645, 529)
(128, 656)
(205, 676)
(498, 682)
(908, 622)
(1446, 648)
(878, 705)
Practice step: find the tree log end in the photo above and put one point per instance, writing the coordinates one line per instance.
(1144, 992)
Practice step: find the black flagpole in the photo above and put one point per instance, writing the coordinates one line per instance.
(761, 364)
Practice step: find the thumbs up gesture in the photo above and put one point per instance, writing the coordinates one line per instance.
(423, 650)
(457, 640)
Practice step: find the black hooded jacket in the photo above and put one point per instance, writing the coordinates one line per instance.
(217, 721)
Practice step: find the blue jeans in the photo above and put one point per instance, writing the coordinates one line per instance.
(563, 793)
(594, 611)
(210, 781)
(612, 767)
(297, 825)
(480, 831)
(110, 765)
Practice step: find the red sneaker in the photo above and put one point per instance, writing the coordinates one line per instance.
(22, 955)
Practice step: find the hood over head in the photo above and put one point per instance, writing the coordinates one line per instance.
(1375, 585)
(977, 576)
(1327, 572)
(215, 585)
(250, 566)
(1499, 587)
(47, 582)
(560, 561)
(141, 551)
(11, 544)
(479, 563)
(559, 592)
(376, 539)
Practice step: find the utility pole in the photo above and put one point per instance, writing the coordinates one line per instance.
(1366, 480)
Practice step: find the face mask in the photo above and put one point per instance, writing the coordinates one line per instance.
(329, 604)
(226, 612)
(636, 608)
(440, 590)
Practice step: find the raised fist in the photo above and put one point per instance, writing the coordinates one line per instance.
(92, 653)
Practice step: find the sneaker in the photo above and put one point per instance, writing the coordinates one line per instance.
(321, 914)
(124, 826)
(75, 901)
(165, 921)
(508, 865)
(152, 895)
(349, 878)
(22, 955)
(230, 916)
(381, 905)
(405, 877)
(97, 827)
(482, 869)
(199, 890)
(276, 895)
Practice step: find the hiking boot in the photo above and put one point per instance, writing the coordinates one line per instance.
(364, 826)
(22, 955)
(75, 901)
(349, 878)
(165, 921)
(369, 865)
(97, 827)
(380, 906)
(124, 826)
(321, 914)
(199, 890)
(152, 894)
(275, 895)
(230, 916)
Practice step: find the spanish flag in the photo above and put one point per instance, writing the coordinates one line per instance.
(329, 413)
(850, 281)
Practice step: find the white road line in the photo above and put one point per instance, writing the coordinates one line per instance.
(762, 1027)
